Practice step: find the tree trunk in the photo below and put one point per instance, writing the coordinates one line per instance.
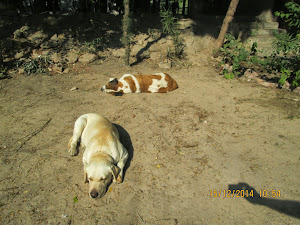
(227, 20)
(183, 8)
(154, 6)
(126, 28)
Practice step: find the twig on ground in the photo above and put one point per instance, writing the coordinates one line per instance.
(141, 218)
(29, 136)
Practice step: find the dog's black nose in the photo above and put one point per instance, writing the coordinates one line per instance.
(102, 89)
(94, 194)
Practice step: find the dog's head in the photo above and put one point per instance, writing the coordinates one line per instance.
(99, 174)
(113, 87)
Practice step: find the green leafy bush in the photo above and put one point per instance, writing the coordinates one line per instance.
(291, 17)
(285, 59)
(235, 53)
(170, 26)
(38, 65)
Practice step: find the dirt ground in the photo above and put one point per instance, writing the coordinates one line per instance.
(187, 147)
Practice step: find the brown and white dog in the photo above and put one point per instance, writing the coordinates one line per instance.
(104, 157)
(128, 83)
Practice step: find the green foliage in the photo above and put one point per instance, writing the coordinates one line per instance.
(3, 72)
(154, 33)
(296, 80)
(238, 55)
(284, 75)
(285, 43)
(38, 65)
(284, 60)
(228, 75)
(96, 43)
(292, 16)
(75, 199)
(170, 26)
(169, 22)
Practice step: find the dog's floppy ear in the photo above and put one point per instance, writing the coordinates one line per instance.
(115, 172)
(85, 178)
(113, 81)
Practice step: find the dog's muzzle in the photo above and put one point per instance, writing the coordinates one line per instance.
(102, 88)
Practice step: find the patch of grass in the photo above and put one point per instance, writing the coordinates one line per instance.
(75, 199)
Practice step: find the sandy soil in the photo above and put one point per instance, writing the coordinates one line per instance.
(210, 134)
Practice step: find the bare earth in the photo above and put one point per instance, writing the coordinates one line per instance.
(210, 134)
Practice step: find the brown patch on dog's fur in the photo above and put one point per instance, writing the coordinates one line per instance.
(131, 83)
(172, 84)
(114, 85)
(145, 81)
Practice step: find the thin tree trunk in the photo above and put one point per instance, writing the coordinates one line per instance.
(126, 27)
(183, 8)
(227, 20)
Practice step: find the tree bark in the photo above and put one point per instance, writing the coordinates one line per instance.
(183, 8)
(227, 20)
(126, 27)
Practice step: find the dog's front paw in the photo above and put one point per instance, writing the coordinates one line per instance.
(119, 179)
(73, 151)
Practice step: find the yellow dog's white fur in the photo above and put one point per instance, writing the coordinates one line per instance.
(104, 157)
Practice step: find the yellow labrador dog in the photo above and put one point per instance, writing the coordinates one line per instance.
(104, 157)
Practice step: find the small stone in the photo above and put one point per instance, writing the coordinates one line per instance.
(87, 58)
(165, 65)
(56, 57)
(57, 68)
(297, 90)
(21, 70)
(36, 53)
(226, 67)
(71, 57)
(19, 55)
(118, 52)
(250, 74)
(67, 70)
(61, 37)
(155, 55)
(54, 38)
(37, 36)
(73, 88)
(286, 85)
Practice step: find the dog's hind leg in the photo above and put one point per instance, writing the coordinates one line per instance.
(75, 139)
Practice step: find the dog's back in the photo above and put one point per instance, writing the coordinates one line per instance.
(94, 130)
